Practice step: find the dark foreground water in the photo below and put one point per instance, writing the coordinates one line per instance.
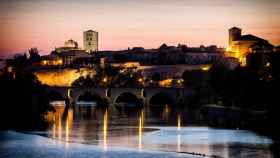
(157, 132)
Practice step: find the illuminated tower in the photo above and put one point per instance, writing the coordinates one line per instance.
(234, 34)
(91, 41)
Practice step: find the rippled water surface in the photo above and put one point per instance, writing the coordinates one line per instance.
(167, 130)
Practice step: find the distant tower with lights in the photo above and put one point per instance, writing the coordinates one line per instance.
(91, 41)
(234, 34)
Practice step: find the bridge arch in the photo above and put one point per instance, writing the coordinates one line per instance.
(90, 96)
(161, 98)
(128, 98)
(56, 96)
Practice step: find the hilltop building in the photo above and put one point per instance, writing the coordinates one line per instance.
(68, 46)
(69, 54)
(90, 41)
(71, 44)
(239, 46)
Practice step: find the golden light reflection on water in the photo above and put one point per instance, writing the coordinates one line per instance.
(140, 129)
(59, 110)
(105, 129)
(66, 132)
(178, 134)
(179, 122)
(61, 131)
(92, 130)
(165, 113)
(68, 125)
(54, 131)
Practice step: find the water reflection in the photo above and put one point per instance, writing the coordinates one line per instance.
(165, 113)
(140, 129)
(178, 143)
(57, 125)
(69, 124)
(62, 123)
(105, 129)
(178, 133)
(134, 128)
(179, 122)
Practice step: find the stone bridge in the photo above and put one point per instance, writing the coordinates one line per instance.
(146, 95)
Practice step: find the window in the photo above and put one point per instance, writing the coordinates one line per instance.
(89, 43)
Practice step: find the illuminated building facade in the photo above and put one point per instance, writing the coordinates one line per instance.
(51, 60)
(91, 41)
(62, 77)
(71, 44)
(240, 46)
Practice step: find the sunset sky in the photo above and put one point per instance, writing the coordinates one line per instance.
(46, 24)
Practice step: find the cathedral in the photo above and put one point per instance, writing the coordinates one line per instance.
(240, 46)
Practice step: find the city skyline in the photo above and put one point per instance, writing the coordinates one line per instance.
(122, 24)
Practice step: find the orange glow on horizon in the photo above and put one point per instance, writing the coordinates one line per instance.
(49, 24)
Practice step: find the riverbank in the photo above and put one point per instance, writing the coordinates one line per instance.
(14, 144)
(174, 142)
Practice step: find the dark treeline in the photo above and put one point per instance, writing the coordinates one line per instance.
(23, 99)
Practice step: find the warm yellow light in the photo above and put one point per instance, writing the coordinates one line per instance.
(142, 92)
(62, 78)
(178, 134)
(205, 67)
(166, 83)
(60, 62)
(44, 62)
(140, 80)
(105, 79)
(131, 64)
(228, 49)
(140, 129)
(166, 109)
(179, 122)
(242, 61)
(267, 64)
(127, 65)
(237, 54)
(59, 128)
(105, 129)
(179, 81)
(67, 132)
(69, 93)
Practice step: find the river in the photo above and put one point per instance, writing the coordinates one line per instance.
(87, 131)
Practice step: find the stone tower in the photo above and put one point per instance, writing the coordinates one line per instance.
(234, 34)
(91, 41)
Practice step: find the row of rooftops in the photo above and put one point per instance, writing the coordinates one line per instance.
(75, 51)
